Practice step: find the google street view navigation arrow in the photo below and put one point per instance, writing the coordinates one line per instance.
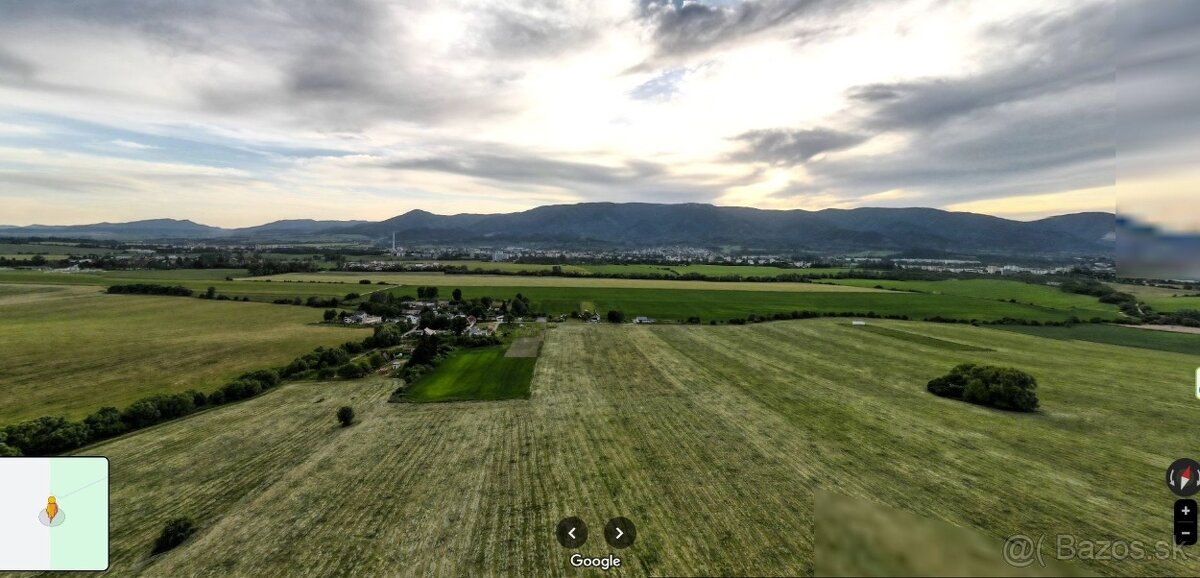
(571, 532)
(620, 533)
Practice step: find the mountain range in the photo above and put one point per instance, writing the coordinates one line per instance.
(646, 225)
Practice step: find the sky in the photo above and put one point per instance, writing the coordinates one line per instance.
(240, 112)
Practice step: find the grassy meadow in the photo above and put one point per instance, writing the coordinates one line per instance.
(1161, 298)
(1118, 335)
(69, 350)
(475, 374)
(713, 440)
(708, 300)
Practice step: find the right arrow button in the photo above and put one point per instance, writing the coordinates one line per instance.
(620, 533)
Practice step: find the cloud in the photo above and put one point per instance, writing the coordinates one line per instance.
(1039, 118)
(789, 147)
(412, 104)
(128, 144)
(683, 28)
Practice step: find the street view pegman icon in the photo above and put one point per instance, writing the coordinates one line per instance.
(52, 515)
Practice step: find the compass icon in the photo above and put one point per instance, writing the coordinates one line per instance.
(1183, 477)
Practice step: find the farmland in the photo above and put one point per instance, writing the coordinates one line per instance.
(1083, 306)
(712, 439)
(1161, 298)
(622, 268)
(69, 350)
(197, 280)
(1118, 335)
(439, 279)
(708, 300)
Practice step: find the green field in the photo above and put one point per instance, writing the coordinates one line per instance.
(1083, 306)
(419, 279)
(197, 280)
(708, 305)
(70, 350)
(1117, 335)
(475, 374)
(1161, 298)
(628, 269)
(713, 440)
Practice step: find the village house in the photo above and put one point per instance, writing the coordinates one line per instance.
(362, 318)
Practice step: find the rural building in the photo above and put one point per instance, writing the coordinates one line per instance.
(362, 318)
(643, 320)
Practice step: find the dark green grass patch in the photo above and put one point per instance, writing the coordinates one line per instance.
(476, 374)
(922, 339)
(1117, 335)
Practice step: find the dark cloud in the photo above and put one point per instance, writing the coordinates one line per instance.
(1039, 117)
(530, 29)
(790, 147)
(1159, 78)
(634, 180)
(1031, 57)
(14, 69)
(343, 66)
(682, 29)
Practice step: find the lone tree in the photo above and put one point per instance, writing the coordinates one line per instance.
(457, 294)
(345, 415)
(616, 316)
(999, 387)
(176, 532)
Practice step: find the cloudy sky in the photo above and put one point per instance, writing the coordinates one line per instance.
(240, 112)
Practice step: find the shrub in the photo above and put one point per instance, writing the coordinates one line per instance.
(345, 415)
(351, 371)
(999, 387)
(176, 532)
(616, 316)
(364, 281)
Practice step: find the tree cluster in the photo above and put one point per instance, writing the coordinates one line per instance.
(151, 289)
(999, 387)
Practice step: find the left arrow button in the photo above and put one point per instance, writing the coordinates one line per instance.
(571, 532)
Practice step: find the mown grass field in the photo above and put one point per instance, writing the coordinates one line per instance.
(713, 440)
(198, 280)
(69, 350)
(475, 374)
(1084, 306)
(1117, 335)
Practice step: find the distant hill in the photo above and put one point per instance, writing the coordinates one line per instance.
(641, 224)
(644, 224)
(177, 229)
